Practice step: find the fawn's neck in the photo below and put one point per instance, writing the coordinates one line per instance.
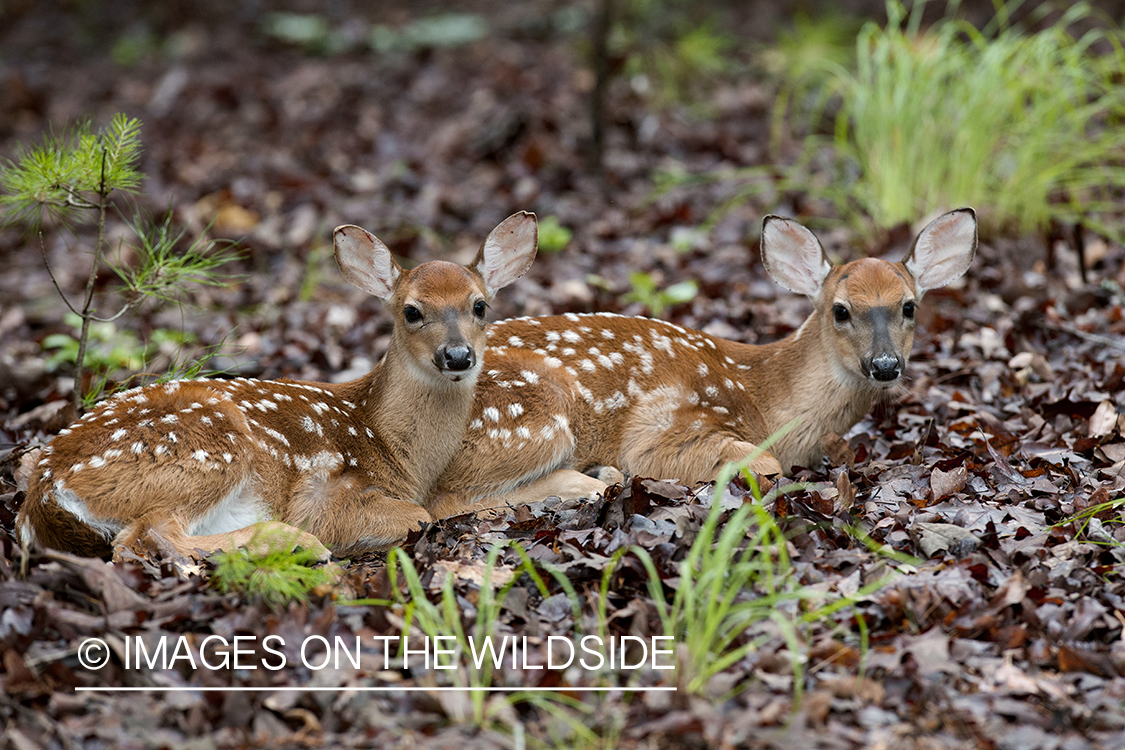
(421, 416)
(797, 378)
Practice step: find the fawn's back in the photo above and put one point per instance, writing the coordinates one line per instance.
(205, 464)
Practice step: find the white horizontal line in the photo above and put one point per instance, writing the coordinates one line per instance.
(185, 689)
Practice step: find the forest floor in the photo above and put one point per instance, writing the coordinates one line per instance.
(998, 624)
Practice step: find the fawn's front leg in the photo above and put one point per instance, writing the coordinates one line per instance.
(567, 484)
(259, 538)
(354, 521)
(690, 455)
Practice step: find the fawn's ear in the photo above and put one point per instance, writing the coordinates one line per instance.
(366, 262)
(508, 251)
(943, 250)
(793, 256)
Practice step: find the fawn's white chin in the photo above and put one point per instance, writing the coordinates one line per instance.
(458, 376)
(884, 385)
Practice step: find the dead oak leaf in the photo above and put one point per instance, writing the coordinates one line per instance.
(945, 483)
(937, 537)
(1103, 421)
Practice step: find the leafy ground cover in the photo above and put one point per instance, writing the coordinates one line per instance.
(955, 581)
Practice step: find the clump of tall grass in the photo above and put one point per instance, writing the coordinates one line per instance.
(1027, 127)
(737, 588)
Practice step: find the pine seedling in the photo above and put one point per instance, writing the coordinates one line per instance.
(73, 178)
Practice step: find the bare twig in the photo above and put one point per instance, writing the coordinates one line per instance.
(76, 199)
(1112, 342)
(128, 306)
(47, 263)
(602, 25)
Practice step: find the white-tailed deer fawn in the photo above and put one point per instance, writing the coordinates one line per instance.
(570, 392)
(206, 463)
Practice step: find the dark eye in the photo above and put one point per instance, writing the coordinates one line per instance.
(908, 310)
(840, 313)
(411, 313)
(479, 308)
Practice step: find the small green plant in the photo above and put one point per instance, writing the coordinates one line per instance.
(672, 45)
(444, 617)
(163, 267)
(553, 236)
(656, 300)
(1027, 127)
(319, 256)
(73, 177)
(119, 354)
(309, 31)
(108, 347)
(736, 576)
(802, 51)
(1087, 523)
(443, 30)
(276, 576)
(136, 44)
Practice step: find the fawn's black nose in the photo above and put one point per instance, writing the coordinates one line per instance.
(456, 358)
(886, 367)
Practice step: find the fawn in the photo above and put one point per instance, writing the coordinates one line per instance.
(566, 393)
(206, 463)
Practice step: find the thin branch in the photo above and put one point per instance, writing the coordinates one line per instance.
(603, 23)
(76, 199)
(47, 263)
(128, 306)
(1094, 338)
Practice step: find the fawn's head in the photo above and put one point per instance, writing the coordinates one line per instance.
(439, 308)
(866, 308)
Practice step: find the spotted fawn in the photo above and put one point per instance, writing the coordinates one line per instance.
(562, 394)
(205, 464)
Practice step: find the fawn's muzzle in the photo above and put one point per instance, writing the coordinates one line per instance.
(454, 358)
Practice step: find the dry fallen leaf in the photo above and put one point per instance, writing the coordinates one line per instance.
(838, 451)
(1103, 420)
(845, 492)
(937, 537)
(945, 483)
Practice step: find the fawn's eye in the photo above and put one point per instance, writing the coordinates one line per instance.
(908, 310)
(840, 313)
(411, 314)
(479, 308)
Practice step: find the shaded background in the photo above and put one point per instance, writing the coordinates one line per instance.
(271, 130)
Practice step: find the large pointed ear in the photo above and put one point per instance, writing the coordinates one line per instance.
(943, 250)
(508, 251)
(366, 262)
(793, 256)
